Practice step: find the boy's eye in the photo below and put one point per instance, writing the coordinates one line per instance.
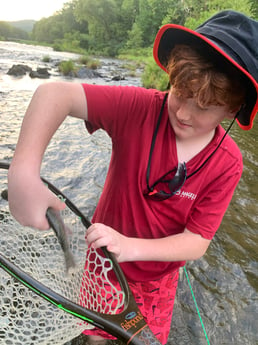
(202, 108)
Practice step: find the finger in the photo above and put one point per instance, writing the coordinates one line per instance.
(58, 204)
(96, 230)
(92, 235)
(95, 236)
(100, 242)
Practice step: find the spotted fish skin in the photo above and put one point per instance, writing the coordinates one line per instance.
(56, 222)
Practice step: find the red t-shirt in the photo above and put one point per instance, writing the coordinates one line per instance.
(129, 115)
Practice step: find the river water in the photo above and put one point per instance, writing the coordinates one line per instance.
(224, 282)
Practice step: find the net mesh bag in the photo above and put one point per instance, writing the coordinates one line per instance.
(25, 317)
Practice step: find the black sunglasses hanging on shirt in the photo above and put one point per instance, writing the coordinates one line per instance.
(171, 182)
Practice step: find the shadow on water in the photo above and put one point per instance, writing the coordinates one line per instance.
(224, 281)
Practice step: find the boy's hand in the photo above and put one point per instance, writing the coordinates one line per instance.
(29, 199)
(99, 235)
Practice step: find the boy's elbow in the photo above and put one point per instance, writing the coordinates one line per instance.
(199, 245)
(200, 253)
(202, 248)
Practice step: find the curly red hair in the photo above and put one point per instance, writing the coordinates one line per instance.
(192, 75)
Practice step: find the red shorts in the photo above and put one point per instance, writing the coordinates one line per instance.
(155, 300)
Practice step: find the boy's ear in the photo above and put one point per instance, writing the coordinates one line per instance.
(233, 113)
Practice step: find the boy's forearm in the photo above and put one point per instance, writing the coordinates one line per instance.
(181, 247)
(28, 197)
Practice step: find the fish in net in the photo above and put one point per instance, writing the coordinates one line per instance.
(25, 317)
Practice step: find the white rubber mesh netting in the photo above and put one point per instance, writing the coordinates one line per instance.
(26, 318)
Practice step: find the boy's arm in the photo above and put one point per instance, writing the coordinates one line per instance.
(181, 247)
(50, 104)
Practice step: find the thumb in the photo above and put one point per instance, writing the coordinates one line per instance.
(58, 204)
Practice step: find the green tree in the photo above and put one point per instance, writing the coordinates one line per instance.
(135, 40)
(153, 13)
(9, 32)
(56, 27)
(200, 10)
(254, 8)
(4, 29)
(107, 28)
(129, 10)
(47, 30)
(176, 14)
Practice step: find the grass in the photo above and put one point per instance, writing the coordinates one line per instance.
(66, 67)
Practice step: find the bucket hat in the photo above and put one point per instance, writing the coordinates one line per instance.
(227, 38)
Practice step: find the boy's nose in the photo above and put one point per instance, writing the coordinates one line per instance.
(184, 113)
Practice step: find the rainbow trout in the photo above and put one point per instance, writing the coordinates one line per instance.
(56, 222)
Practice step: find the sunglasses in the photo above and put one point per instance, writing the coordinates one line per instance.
(167, 185)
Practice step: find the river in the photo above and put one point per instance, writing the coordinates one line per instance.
(224, 282)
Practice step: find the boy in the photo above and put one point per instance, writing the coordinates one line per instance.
(173, 169)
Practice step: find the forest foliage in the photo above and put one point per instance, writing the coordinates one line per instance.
(8, 31)
(122, 28)
(109, 27)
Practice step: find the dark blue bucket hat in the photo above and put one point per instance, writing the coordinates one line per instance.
(228, 37)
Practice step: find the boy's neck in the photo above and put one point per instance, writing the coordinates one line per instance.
(189, 148)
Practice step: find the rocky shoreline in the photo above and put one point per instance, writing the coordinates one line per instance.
(44, 72)
(82, 72)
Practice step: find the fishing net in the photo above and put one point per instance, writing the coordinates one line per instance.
(25, 317)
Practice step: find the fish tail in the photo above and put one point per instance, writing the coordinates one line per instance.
(69, 260)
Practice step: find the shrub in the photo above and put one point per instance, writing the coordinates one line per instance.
(46, 58)
(66, 67)
(84, 59)
(154, 77)
(93, 64)
(89, 62)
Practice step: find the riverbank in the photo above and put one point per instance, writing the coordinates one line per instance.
(138, 63)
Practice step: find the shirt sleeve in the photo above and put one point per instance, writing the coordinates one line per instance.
(115, 108)
(213, 201)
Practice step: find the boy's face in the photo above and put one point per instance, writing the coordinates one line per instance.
(190, 121)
